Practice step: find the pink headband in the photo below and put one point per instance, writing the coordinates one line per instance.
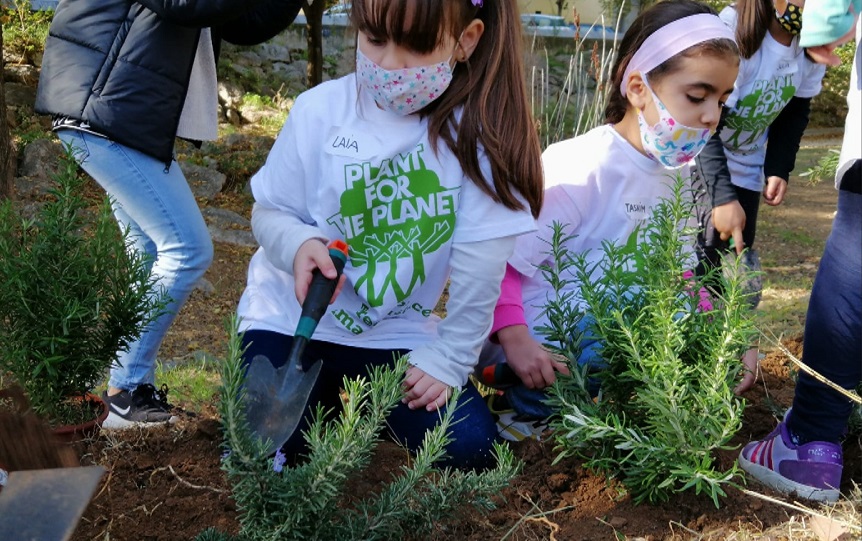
(672, 39)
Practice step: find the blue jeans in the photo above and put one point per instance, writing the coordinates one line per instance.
(833, 328)
(473, 431)
(156, 205)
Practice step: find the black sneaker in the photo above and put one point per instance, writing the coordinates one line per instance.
(146, 406)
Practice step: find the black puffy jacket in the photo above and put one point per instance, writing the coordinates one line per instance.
(123, 67)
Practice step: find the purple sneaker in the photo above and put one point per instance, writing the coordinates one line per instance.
(811, 471)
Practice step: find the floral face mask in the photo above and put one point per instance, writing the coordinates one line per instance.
(403, 91)
(791, 19)
(668, 142)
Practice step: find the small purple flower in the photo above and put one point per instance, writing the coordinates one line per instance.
(477, 3)
(278, 461)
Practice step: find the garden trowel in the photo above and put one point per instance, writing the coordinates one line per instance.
(276, 398)
(46, 504)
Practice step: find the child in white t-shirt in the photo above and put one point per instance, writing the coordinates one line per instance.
(676, 66)
(411, 160)
(755, 149)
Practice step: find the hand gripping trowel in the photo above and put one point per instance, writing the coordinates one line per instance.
(275, 399)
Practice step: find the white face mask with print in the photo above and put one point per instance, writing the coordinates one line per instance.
(403, 91)
(668, 142)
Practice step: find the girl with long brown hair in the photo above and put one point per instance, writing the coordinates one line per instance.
(426, 162)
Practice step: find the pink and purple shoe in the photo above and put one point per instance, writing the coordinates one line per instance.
(811, 471)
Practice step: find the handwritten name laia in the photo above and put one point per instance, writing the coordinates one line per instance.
(345, 143)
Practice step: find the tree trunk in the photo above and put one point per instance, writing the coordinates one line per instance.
(7, 149)
(314, 32)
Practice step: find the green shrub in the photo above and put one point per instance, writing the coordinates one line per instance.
(72, 295)
(666, 400)
(824, 169)
(308, 501)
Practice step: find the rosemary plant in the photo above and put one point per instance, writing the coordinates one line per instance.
(72, 295)
(308, 501)
(666, 400)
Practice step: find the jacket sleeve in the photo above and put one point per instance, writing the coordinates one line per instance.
(785, 134)
(474, 286)
(712, 163)
(261, 23)
(198, 13)
(510, 306)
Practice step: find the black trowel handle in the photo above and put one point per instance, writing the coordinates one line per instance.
(316, 301)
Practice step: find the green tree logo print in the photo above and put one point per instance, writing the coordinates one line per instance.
(753, 114)
(392, 216)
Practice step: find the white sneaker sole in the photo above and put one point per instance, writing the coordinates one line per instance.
(512, 430)
(778, 482)
(115, 422)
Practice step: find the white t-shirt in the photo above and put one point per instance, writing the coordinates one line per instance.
(851, 148)
(764, 86)
(342, 168)
(600, 187)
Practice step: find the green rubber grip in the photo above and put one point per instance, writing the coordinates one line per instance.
(320, 291)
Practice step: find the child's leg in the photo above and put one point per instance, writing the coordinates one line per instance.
(802, 455)
(473, 431)
(833, 329)
(275, 347)
(749, 200)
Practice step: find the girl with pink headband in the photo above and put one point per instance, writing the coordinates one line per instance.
(675, 67)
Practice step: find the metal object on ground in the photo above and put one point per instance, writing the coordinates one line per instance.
(46, 505)
(276, 399)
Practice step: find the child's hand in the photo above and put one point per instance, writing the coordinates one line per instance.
(774, 190)
(420, 390)
(530, 361)
(313, 254)
(729, 220)
(750, 361)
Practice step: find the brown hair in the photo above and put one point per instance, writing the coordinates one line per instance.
(490, 86)
(753, 18)
(644, 25)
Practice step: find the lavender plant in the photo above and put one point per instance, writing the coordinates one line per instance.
(666, 401)
(308, 501)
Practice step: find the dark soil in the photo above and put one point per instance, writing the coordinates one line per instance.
(166, 484)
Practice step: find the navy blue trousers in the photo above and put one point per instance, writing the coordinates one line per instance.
(473, 431)
(833, 326)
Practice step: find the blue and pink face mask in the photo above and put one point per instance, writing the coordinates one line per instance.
(669, 142)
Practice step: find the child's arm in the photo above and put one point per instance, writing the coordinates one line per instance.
(281, 234)
(531, 362)
(785, 135)
(728, 218)
(477, 269)
(280, 219)
(510, 306)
